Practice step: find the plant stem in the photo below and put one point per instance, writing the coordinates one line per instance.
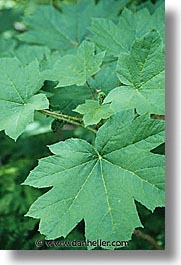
(91, 91)
(148, 238)
(70, 119)
(158, 117)
(60, 115)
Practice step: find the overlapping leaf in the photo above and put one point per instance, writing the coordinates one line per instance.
(18, 98)
(6, 47)
(99, 184)
(151, 6)
(28, 53)
(119, 38)
(106, 79)
(76, 69)
(69, 27)
(142, 73)
(70, 98)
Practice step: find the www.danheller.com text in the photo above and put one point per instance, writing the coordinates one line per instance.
(79, 243)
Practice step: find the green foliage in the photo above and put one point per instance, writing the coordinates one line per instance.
(142, 74)
(108, 73)
(86, 79)
(83, 172)
(17, 159)
(6, 47)
(17, 95)
(94, 112)
(8, 18)
(70, 97)
(27, 54)
(75, 70)
(69, 27)
(119, 38)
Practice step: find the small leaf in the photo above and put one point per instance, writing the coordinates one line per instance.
(18, 86)
(94, 112)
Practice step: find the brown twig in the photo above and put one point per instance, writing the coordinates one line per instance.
(148, 238)
(158, 117)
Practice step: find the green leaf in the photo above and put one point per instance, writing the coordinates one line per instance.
(94, 112)
(142, 21)
(26, 53)
(158, 18)
(65, 30)
(76, 69)
(109, 8)
(108, 73)
(150, 6)
(99, 184)
(65, 99)
(7, 47)
(18, 86)
(142, 73)
(48, 27)
(119, 38)
(110, 37)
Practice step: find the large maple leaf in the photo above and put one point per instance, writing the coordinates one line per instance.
(100, 183)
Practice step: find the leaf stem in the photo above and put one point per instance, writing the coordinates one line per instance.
(73, 120)
(148, 238)
(158, 117)
(91, 90)
(60, 115)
